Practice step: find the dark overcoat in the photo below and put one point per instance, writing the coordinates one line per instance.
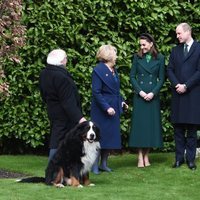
(106, 94)
(60, 94)
(146, 76)
(185, 108)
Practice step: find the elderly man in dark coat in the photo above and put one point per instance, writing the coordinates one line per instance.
(60, 93)
(184, 75)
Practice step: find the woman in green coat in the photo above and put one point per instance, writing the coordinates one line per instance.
(147, 77)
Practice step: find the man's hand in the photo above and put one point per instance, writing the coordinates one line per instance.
(180, 88)
(82, 120)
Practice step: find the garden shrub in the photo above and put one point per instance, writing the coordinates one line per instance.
(81, 27)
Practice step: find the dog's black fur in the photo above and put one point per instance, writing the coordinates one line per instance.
(67, 165)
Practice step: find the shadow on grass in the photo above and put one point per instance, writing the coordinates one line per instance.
(9, 174)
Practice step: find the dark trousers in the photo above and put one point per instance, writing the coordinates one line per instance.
(51, 153)
(185, 136)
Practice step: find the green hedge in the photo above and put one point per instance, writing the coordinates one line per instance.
(80, 27)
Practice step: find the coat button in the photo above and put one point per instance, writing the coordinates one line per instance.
(150, 75)
(150, 82)
(141, 82)
(142, 74)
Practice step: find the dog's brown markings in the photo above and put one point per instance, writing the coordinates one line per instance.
(74, 182)
(59, 179)
(86, 180)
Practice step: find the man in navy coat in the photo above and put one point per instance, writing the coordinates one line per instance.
(60, 94)
(184, 74)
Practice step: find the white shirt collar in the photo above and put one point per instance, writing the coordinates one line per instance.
(190, 44)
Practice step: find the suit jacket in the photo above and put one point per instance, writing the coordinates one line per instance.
(185, 70)
(60, 93)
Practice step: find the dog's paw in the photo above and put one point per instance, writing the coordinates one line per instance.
(80, 186)
(91, 185)
(59, 185)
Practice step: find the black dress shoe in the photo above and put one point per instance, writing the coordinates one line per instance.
(177, 164)
(191, 165)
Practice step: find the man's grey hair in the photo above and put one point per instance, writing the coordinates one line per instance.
(56, 56)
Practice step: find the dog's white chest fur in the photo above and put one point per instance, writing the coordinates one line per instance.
(91, 151)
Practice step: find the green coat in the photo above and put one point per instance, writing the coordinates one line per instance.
(146, 128)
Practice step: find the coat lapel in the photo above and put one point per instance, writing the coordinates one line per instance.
(107, 77)
(192, 49)
(148, 66)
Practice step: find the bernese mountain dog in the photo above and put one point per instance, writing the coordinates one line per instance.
(73, 159)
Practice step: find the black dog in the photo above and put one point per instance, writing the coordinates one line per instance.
(74, 158)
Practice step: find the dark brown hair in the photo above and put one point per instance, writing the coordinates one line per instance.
(149, 38)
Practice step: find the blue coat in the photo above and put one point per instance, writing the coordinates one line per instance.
(185, 70)
(105, 94)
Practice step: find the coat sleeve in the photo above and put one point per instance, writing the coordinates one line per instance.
(97, 91)
(133, 75)
(171, 69)
(195, 78)
(161, 76)
(67, 96)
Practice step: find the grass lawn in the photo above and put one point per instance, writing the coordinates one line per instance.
(126, 182)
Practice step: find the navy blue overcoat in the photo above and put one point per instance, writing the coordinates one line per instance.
(185, 70)
(106, 94)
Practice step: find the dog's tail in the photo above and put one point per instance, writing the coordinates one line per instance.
(31, 180)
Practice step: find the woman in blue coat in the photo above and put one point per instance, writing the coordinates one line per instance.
(106, 104)
(147, 77)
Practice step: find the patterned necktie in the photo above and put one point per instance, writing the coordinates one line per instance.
(185, 50)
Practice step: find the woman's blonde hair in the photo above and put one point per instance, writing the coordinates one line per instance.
(104, 53)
